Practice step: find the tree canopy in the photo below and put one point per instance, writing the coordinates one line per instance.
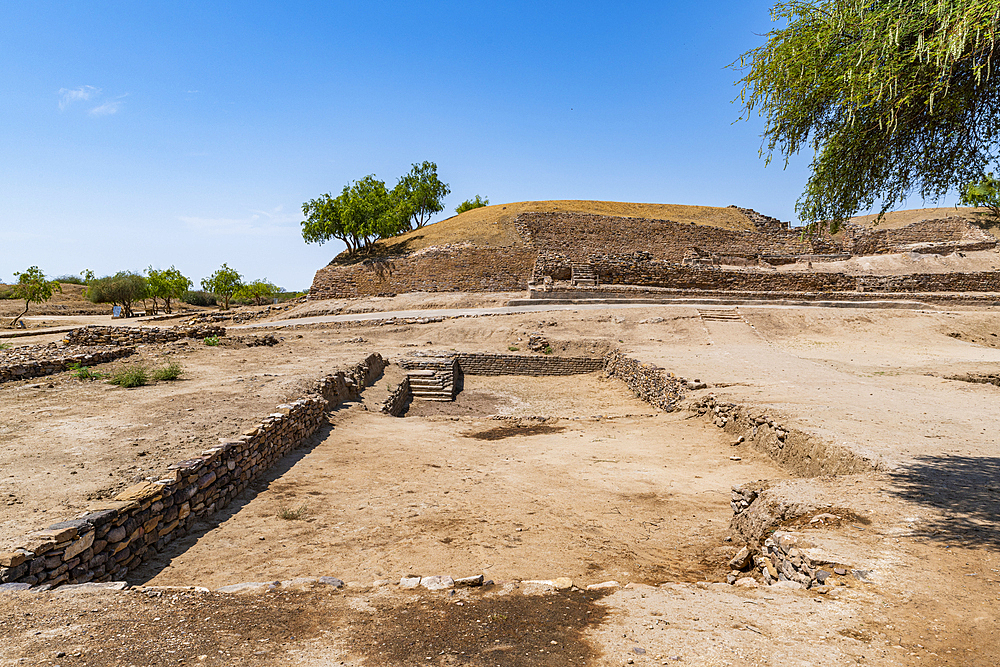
(123, 289)
(33, 287)
(366, 211)
(257, 291)
(893, 96)
(419, 194)
(166, 284)
(223, 283)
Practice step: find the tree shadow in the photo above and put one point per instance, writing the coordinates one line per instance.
(964, 491)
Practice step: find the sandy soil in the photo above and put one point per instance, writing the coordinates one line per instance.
(872, 382)
(902, 264)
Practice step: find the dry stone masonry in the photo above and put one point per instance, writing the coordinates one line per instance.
(110, 540)
(98, 335)
(31, 361)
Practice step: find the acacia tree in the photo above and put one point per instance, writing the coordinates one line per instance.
(985, 193)
(364, 212)
(257, 291)
(223, 283)
(166, 284)
(33, 288)
(419, 194)
(892, 96)
(124, 289)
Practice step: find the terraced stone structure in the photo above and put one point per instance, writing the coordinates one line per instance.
(587, 251)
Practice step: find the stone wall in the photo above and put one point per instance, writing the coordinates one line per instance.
(939, 236)
(98, 335)
(649, 382)
(23, 363)
(457, 268)
(474, 363)
(578, 236)
(109, 541)
(642, 271)
(399, 398)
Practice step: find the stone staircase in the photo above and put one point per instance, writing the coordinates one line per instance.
(432, 385)
(725, 315)
(583, 275)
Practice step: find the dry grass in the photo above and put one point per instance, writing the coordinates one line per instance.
(492, 225)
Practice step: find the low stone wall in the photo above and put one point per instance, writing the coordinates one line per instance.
(642, 271)
(473, 363)
(24, 363)
(110, 540)
(98, 335)
(649, 382)
(790, 448)
(458, 268)
(398, 399)
(939, 236)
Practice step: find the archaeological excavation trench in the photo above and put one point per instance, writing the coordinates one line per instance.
(521, 477)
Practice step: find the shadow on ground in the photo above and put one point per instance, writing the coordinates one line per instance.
(149, 569)
(964, 491)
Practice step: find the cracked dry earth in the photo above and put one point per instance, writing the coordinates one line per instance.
(601, 487)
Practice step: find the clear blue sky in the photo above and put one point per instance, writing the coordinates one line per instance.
(190, 133)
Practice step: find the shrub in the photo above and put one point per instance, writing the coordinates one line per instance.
(198, 298)
(211, 341)
(171, 371)
(470, 204)
(84, 373)
(71, 280)
(289, 514)
(513, 348)
(548, 350)
(135, 375)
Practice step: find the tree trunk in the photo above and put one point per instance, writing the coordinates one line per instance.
(13, 323)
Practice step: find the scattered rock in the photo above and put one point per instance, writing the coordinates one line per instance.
(437, 583)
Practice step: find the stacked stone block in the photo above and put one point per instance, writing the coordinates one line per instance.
(111, 540)
(649, 382)
(98, 335)
(23, 363)
(522, 364)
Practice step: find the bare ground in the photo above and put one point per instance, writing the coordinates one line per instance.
(873, 382)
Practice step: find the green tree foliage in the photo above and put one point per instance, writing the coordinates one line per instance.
(33, 287)
(364, 212)
(893, 96)
(166, 284)
(419, 194)
(257, 291)
(124, 289)
(986, 193)
(470, 204)
(223, 283)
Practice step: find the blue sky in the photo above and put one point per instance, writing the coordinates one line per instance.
(189, 134)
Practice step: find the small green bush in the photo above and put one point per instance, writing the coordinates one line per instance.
(72, 280)
(211, 341)
(84, 373)
(198, 298)
(513, 348)
(171, 371)
(4, 346)
(548, 350)
(128, 377)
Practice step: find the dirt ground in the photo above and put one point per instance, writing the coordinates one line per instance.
(641, 495)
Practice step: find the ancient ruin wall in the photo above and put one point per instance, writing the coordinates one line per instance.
(109, 541)
(99, 335)
(462, 268)
(578, 236)
(649, 382)
(521, 364)
(36, 361)
(630, 270)
(938, 236)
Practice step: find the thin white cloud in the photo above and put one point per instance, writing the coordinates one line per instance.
(260, 223)
(106, 109)
(68, 96)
